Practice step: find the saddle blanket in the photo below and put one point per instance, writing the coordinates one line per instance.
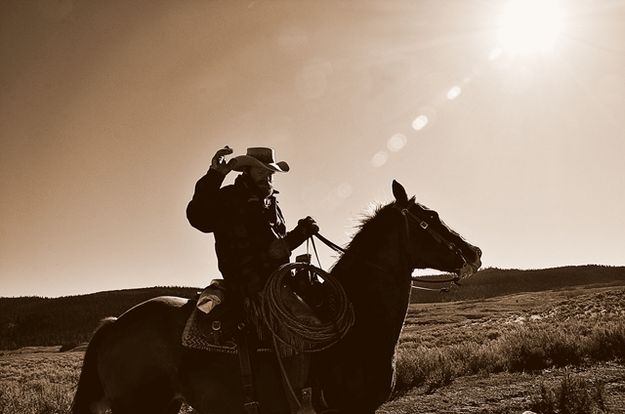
(210, 332)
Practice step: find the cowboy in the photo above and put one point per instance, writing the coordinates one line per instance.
(251, 240)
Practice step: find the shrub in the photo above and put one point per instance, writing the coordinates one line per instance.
(573, 395)
(529, 348)
(607, 342)
(541, 346)
(524, 350)
(432, 367)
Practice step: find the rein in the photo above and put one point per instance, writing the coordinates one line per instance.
(330, 244)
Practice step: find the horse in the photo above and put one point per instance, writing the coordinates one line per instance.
(136, 363)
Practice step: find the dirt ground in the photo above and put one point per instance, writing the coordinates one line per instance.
(507, 393)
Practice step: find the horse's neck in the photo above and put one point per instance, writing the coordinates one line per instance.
(376, 278)
(377, 283)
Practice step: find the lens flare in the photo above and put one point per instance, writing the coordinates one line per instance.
(379, 159)
(454, 92)
(396, 142)
(420, 122)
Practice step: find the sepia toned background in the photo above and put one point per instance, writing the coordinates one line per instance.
(111, 110)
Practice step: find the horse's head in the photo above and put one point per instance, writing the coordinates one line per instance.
(430, 243)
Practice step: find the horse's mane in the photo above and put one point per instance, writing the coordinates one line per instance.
(367, 232)
(365, 221)
(370, 219)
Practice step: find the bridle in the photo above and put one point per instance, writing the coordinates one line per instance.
(422, 224)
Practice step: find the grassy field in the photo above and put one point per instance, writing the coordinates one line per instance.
(38, 380)
(499, 355)
(519, 332)
(513, 353)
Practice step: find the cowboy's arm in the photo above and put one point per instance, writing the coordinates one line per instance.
(305, 228)
(203, 211)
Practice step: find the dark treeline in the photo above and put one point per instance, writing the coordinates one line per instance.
(69, 320)
(493, 282)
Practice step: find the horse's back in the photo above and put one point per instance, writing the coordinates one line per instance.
(158, 304)
(144, 342)
(160, 319)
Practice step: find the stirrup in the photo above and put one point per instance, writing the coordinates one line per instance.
(306, 402)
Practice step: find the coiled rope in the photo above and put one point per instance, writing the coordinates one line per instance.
(297, 334)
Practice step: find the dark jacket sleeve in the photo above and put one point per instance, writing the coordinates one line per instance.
(203, 211)
(295, 238)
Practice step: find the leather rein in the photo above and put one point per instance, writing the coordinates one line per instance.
(423, 225)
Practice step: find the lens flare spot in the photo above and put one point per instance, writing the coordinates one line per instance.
(344, 190)
(379, 159)
(454, 92)
(396, 142)
(312, 81)
(420, 122)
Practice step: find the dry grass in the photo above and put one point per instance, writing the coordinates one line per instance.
(515, 333)
(528, 348)
(440, 343)
(38, 382)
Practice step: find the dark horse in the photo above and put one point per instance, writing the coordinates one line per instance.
(136, 364)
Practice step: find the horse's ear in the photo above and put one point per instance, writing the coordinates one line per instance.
(400, 193)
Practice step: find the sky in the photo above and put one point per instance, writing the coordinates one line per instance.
(509, 122)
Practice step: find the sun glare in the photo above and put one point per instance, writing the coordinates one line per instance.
(530, 26)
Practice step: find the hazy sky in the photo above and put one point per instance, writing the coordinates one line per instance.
(111, 110)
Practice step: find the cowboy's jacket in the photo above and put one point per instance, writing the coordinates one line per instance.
(251, 240)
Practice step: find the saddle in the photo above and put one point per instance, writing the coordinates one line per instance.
(217, 330)
(224, 330)
(213, 332)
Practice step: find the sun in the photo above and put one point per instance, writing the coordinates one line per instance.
(530, 26)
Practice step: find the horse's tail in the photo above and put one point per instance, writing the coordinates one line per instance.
(89, 389)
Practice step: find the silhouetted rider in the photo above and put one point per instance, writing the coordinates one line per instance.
(251, 240)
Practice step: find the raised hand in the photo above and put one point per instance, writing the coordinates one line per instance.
(219, 163)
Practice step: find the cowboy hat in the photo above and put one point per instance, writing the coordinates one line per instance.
(260, 157)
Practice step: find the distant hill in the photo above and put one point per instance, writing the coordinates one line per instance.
(70, 320)
(493, 282)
